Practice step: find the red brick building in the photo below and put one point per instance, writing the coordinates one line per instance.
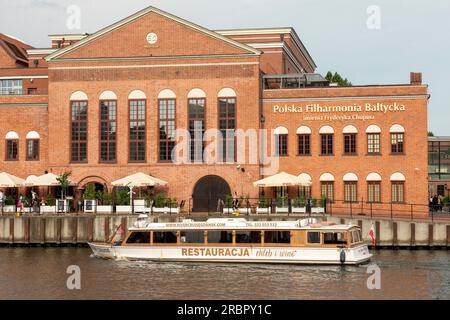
(105, 105)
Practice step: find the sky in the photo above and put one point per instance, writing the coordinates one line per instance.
(347, 36)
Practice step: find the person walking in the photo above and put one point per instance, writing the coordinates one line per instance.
(34, 202)
(20, 205)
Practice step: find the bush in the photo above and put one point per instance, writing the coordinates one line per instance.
(299, 202)
(122, 197)
(26, 201)
(10, 201)
(446, 200)
(262, 203)
(282, 201)
(50, 200)
(160, 200)
(89, 193)
(228, 201)
(104, 198)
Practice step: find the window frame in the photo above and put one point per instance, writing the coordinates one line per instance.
(395, 136)
(302, 146)
(189, 119)
(137, 141)
(78, 142)
(166, 121)
(378, 143)
(352, 143)
(108, 141)
(369, 192)
(282, 144)
(223, 158)
(327, 184)
(397, 183)
(327, 144)
(33, 141)
(353, 186)
(7, 154)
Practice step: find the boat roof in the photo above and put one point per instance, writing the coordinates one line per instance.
(241, 223)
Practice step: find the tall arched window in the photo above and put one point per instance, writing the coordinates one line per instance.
(78, 127)
(373, 187)
(326, 139)
(227, 123)
(373, 139)
(304, 141)
(197, 123)
(167, 124)
(397, 139)
(281, 141)
(32, 141)
(12, 146)
(137, 126)
(398, 187)
(108, 126)
(350, 187)
(350, 139)
(327, 186)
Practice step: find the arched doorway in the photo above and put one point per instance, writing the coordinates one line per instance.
(207, 191)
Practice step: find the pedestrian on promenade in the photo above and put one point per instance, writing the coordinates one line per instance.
(2, 201)
(34, 202)
(20, 204)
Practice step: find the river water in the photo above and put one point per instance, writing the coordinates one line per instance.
(40, 273)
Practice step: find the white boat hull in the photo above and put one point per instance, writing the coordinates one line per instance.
(293, 255)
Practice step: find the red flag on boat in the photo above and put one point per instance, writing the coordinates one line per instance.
(372, 234)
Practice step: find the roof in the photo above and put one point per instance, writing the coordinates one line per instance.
(241, 223)
(141, 13)
(439, 138)
(15, 48)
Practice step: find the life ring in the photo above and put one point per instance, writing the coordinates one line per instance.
(342, 256)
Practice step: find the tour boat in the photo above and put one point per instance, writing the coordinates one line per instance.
(306, 241)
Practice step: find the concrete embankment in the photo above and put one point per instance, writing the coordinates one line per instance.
(80, 229)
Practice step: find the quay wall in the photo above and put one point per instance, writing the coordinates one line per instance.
(80, 229)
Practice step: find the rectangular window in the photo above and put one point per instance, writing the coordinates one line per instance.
(192, 237)
(33, 149)
(227, 127)
(220, 237)
(304, 145)
(12, 150)
(350, 143)
(373, 143)
(139, 237)
(78, 131)
(305, 192)
(197, 128)
(327, 188)
(334, 238)
(248, 237)
(164, 237)
(397, 142)
(108, 130)
(137, 130)
(313, 237)
(167, 126)
(398, 192)
(350, 191)
(327, 144)
(277, 237)
(10, 87)
(374, 191)
(281, 147)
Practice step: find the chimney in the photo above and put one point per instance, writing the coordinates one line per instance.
(416, 78)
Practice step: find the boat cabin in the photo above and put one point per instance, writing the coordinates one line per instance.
(239, 232)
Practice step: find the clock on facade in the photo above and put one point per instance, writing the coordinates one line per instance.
(152, 38)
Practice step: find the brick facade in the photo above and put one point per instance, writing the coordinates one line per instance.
(183, 58)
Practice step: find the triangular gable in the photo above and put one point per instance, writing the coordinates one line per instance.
(233, 47)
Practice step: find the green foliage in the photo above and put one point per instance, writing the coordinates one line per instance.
(282, 201)
(160, 200)
(446, 200)
(323, 201)
(299, 202)
(89, 193)
(26, 201)
(64, 181)
(104, 198)
(337, 78)
(228, 201)
(241, 203)
(430, 134)
(122, 197)
(313, 202)
(262, 203)
(10, 201)
(50, 200)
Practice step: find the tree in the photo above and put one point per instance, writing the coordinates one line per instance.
(64, 181)
(337, 78)
(430, 134)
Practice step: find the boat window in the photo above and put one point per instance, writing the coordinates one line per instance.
(277, 237)
(139, 237)
(314, 237)
(356, 236)
(164, 237)
(192, 237)
(334, 238)
(220, 237)
(248, 237)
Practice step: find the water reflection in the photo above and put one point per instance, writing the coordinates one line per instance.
(40, 273)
